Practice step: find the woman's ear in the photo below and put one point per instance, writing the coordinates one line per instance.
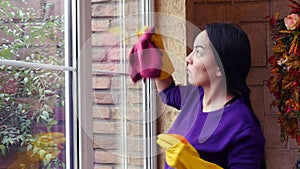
(219, 73)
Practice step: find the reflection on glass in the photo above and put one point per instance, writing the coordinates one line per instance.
(31, 32)
(119, 124)
(32, 117)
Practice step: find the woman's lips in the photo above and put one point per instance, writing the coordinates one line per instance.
(188, 71)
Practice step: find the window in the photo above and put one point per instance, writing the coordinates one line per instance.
(65, 96)
(35, 81)
(123, 115)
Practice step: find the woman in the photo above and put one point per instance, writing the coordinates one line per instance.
(216, 116)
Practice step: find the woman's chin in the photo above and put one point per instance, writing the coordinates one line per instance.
(191, 81)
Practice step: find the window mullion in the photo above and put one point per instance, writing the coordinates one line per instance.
(149, 100)
(35, 65)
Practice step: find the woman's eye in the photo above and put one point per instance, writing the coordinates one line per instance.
(198, 53)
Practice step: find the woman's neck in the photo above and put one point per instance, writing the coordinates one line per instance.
(215, 98)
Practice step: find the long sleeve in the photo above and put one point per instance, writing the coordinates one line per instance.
(246, 150)
(177, 95)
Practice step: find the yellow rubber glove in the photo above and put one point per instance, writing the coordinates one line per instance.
(180, 154)
(167, 67)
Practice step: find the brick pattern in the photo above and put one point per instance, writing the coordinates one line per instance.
(251, 16)
(172, 23)
(109, 111)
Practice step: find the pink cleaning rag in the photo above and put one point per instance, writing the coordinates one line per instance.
(145, 58)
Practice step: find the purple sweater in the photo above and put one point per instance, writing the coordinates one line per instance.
(230, 137)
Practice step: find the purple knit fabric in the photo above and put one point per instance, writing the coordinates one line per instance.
(145, 58)
(230, 137)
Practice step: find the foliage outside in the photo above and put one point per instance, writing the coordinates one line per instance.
(28, 95)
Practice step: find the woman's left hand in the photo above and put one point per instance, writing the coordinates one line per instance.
(180, 154)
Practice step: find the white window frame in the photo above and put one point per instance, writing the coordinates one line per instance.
(70, 61)
(78, 84)
(82, 43)
(82, 34)
(149, 108)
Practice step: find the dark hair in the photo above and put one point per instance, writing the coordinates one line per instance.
(233, 56)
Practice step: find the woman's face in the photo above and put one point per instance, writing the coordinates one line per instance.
(202, 68)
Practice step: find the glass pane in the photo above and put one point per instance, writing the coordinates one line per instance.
(32, 117)
(119, 121)
(32, 31)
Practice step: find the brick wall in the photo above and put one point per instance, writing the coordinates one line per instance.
(117, 101)
(251, 16)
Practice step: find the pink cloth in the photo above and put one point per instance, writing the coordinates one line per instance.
(145, 58)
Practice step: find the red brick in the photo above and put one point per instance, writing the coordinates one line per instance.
(101, 82)
(105, 10)
(101, 112)
(107, 54)
(257, 101)
(134, 129)
(135, 144)
(207, 13)
(200, 1)
(43, 40)
(55, 8)
(249, 1)
(136, 161)
(272, 133)
(113, 54)
(117, 83)
(4, 37)
(117, 113)
(107, 143)
(93, 1)
(258, 37)
(258, 75)
(131, 85)
(132, 23)
(134, 112)
(34, 7)
(281, 159)
(132, 8)
(105, 67)
(280, 7)
(107, 157)
(102, 167)
(247, 12)
(100, 24)
(106, 98)
(214, 1)
(134, 97)
(98, 54)
(106, 127)
(105, 39)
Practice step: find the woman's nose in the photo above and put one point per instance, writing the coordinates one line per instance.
(188, 59)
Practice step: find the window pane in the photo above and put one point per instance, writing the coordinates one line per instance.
(32, 100)
(119, 119)
(32, 31)
(31, 116)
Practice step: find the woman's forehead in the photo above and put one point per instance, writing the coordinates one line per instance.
(202, 39)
